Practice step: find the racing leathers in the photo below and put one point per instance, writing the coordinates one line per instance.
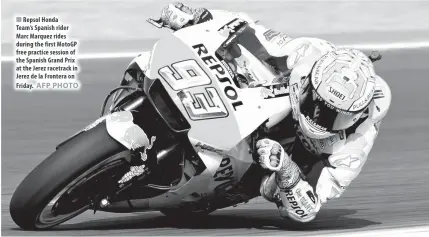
(306, 171)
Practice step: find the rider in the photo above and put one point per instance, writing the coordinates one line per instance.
(337, 101)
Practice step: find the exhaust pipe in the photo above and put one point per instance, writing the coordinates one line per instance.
(134, 205)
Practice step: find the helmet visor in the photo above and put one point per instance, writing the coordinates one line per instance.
(323, 117)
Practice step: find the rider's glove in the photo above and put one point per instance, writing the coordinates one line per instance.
(178, 15)
(271, 154)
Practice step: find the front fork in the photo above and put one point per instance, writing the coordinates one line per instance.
(142, 159)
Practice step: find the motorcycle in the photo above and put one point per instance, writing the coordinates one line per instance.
(179, 138)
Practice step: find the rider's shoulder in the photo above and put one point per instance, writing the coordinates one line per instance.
(305, 50)
(321, 45)
(380, 104)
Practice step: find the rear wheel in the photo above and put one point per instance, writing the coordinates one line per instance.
(66, 183)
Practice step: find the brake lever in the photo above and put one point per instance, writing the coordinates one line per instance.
(158, 23)
(375, 56)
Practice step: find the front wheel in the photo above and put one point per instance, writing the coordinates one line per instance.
(62, 186)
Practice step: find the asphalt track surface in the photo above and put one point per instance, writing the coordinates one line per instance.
(392, 190)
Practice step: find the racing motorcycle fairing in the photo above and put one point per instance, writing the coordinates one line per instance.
(187, 78)
(202, 86)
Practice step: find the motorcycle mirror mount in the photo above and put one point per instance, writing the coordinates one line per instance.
(375, 56)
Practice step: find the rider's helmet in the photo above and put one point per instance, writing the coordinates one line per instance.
(341, 86)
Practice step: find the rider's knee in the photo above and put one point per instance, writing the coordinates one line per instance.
(299, 203)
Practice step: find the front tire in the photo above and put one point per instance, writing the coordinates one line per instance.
(56, 172)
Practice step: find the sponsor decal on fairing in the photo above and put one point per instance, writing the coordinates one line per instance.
(120, 126)
(232, 27)
(224, 174)
(206, 147)
(270, 34)
(274, 91)
(204, 105)
(230, 90)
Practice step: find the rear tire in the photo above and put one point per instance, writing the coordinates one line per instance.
(57, 171)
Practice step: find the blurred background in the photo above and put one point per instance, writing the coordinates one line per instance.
(120, 25)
